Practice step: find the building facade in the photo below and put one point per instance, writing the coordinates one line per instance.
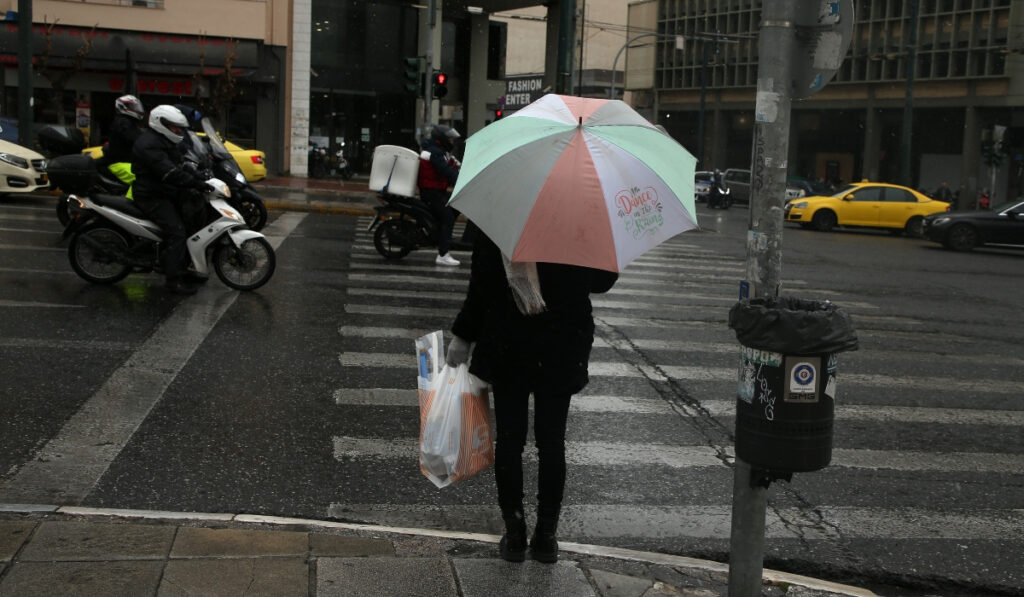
(966, 88)
(227, 57)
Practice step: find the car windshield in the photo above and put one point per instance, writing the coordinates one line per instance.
(847, 189)
(702, 177)
(1018, 202)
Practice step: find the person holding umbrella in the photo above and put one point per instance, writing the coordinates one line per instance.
(533, 329)
(566, 192)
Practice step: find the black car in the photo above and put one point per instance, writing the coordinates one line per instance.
(964, 230)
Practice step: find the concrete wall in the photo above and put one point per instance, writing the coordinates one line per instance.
(241, 19)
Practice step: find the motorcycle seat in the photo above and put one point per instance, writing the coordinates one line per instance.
(122, 204)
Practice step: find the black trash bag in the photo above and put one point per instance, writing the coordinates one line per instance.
(792, 326)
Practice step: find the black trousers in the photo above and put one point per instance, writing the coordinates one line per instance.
(436, 200)
(166, 215)
(511, 414)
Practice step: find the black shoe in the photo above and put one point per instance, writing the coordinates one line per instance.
(177, 286)
(512, 546)
(543, 545)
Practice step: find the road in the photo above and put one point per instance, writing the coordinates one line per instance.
(298, 400)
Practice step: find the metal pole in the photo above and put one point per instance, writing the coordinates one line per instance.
(703, 96)
(566, 29)
(764, 259)
(428, 87)
(615, 63)
(583, 35)
(25, 103)
(906, 174)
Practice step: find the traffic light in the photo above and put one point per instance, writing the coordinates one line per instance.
(440, 84)
(498, 114)
(412, 75)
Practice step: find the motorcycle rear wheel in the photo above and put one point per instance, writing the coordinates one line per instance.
(93, 254)
(253, 212)
(395, 238)
(62, 209)
(247, 267)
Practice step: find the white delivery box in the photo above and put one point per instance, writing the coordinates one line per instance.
(396, 168)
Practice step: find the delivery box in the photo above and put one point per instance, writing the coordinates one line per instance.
(394, 170)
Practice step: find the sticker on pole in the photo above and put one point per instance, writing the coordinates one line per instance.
(802, 375)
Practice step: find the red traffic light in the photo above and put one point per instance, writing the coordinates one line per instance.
(440, 78)
(498, 114)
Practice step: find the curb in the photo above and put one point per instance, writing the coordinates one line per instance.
(771, 576)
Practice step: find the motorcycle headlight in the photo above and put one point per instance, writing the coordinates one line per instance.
(240, 177)
(14, 160)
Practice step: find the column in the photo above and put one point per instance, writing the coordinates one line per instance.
(302, 20)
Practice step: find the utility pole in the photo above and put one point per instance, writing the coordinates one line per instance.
(764, 260)
(25, 103)
(566, 29)
(910, 43)
(428, 87)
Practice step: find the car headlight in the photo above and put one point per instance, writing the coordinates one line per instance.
(939, 221)
(14, 160)
(799, 205)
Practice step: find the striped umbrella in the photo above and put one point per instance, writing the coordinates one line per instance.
(578, 181)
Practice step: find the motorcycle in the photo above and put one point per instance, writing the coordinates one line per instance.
(243, 197)
(110, 237)
(71, 171)
(719, 198)
(404, 224)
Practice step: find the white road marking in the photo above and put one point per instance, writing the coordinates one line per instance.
(66, 469)
(666, 372)
(685, 457)
(5, 303)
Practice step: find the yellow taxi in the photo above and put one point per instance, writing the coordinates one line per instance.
(865, 204)
(250, 161)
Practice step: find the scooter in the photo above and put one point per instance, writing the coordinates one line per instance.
(404, 224)
(243, 197)
(110, 237)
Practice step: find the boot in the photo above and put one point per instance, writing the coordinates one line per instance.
(512, 546)
(543, 546)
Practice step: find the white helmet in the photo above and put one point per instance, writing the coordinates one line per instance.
(169, 122)
(129, 105)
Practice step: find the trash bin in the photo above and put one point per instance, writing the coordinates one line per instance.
(787, 381)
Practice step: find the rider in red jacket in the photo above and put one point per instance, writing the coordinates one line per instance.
(438, 172)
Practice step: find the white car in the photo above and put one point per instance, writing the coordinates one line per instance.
(21, 169)
(702, 184)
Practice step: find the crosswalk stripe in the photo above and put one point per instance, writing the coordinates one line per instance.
(601, 522)
(718, 408)
(666, 372)
(686, 457)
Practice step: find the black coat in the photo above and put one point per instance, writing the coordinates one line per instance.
(124, 131)
(550, 349)
(157, 165)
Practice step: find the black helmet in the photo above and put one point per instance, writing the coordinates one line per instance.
(445, 135)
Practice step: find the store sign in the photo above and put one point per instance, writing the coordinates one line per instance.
(523, 91)
(156, 86)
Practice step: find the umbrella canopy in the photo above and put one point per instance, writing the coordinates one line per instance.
(578, 181)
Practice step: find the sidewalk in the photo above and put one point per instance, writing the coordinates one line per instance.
(46, 550)
(324, 195)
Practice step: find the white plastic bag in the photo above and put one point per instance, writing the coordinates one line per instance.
(455, 423)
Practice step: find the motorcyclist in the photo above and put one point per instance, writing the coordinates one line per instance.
(125, 128)
(161, 187)
(438, 171)
(716, 196)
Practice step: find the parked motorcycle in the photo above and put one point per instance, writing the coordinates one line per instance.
(404, 224)
(110, 237)
(243, 197)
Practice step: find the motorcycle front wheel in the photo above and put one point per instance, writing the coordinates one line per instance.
(247, 267)
(395, 238)
(94, 253)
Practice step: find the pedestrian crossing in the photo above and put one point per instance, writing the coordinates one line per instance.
(655, 425)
